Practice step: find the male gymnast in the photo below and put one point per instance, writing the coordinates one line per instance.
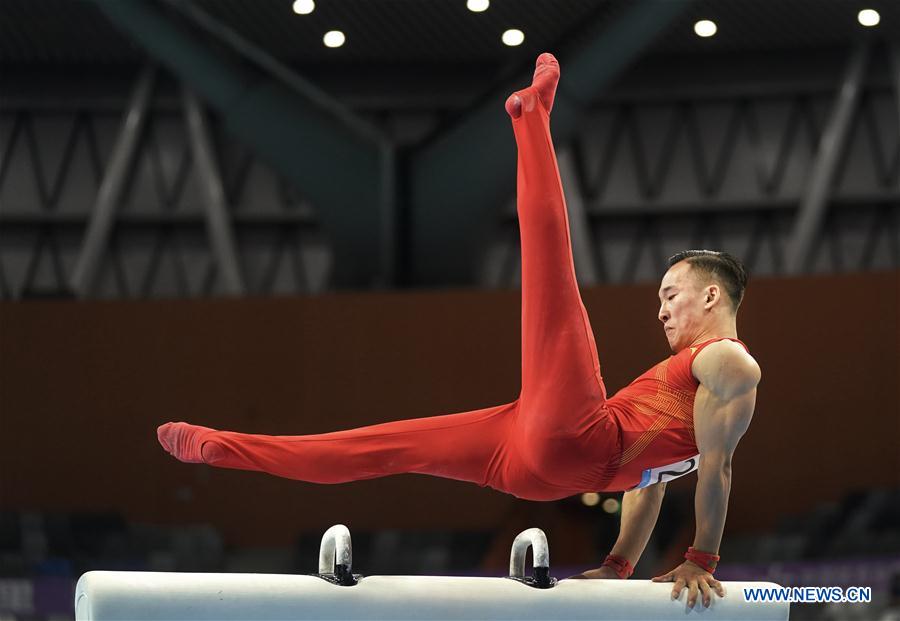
(562, 435)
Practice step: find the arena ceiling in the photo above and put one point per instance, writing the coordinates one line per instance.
(398, 50)
(437, 32)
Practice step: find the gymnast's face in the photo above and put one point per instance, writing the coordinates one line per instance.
(685, 309)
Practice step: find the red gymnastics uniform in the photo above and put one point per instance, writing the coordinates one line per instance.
(562, 436)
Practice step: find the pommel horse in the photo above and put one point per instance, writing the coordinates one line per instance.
(335, 592)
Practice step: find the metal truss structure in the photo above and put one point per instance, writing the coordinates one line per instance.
(797, 179)
(147, 196)
(152, 201)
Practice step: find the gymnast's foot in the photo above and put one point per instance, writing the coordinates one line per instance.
(546, 77)
(188, 443)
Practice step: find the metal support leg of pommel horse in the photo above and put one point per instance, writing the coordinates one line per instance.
(336, 593)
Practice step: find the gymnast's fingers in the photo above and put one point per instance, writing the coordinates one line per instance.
(676, 589)
(705, 591)
(718, 586)
(692, 593)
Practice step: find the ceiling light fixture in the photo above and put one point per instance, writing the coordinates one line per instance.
(477, 6)
(334, 38)
(304, 7)
(513, 37)
(869, 17)
(705, 28)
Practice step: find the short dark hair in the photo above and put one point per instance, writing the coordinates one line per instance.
(720, 266)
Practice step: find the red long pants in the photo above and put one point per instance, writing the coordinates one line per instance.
(555, 440)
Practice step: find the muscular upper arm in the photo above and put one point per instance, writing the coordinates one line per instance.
(725, 399)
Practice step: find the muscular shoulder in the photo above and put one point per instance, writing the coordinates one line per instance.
(726, 369)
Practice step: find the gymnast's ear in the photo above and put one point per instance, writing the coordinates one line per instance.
(712, 296)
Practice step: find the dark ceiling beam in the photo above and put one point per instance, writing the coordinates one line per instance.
(461, 181)
(337, 164)
(832, 146)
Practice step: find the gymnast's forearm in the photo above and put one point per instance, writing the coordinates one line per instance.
(711, 503)
(640, 510)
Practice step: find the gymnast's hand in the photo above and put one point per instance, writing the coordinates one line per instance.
(603, 572)
(695, 578)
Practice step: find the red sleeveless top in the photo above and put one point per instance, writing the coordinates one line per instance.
(655, 417)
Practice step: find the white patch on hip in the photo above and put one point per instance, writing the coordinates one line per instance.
(661, 474)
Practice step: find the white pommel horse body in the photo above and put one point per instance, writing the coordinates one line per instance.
(336, 593)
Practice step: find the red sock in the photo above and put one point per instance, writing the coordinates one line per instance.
(185, 443)
(546, 77)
